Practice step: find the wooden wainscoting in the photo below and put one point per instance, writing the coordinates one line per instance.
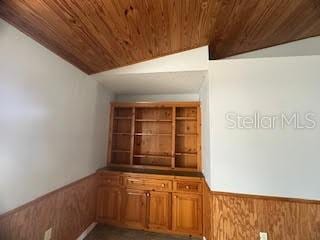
(207, 213)
(227, 216)
(69, 211)
(242, 217)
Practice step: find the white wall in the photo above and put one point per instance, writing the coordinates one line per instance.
(52, 120)
(190, 60)
(205, 98)
(280, 162)
(178, 73)
(157, 97)
(305, 47)
(154, 83)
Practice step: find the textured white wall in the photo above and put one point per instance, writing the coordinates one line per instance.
(157, 97)
(191, 60)
(205, 130)
(280, 162)
(53, 120)
(305, 47)
(178, 73)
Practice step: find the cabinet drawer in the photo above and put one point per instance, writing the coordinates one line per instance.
(187, 186)
(112, 179)
(148, 184)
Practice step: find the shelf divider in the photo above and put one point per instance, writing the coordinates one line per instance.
(187, 118)
(152, 134)
(153, 120)
(186, 153)
(173, 160)
(132, 134)
(199, 159)
(152, 156)
(186, 134)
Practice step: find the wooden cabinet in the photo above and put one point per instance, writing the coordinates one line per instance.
(153, 202)
(188, 186)
(159, 210)
(187, 213)
(134, 208)
(109, 204)
(153, 180)
(148, 184)
(143, 209)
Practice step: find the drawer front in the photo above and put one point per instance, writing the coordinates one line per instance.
(148, 184)
(112, 180)
(187, 186)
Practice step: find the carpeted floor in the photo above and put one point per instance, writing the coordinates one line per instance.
(102, 232)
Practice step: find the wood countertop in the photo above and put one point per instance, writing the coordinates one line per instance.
(153, 171)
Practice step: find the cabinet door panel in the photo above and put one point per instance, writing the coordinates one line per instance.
(187, 213)
(134, 209)
(159, 211)
(109, 203)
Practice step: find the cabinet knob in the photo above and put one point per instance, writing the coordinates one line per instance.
(162, 185)
(187, 187)
(148, 194)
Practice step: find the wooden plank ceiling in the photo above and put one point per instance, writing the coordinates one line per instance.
(98, 35)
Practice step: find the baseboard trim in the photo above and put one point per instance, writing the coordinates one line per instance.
(87, 231)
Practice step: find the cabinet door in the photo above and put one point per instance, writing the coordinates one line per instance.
(187, 213)
(108, 205)
(134, 209)
(159, 211)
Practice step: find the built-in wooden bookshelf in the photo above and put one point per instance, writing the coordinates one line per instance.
(155, 135)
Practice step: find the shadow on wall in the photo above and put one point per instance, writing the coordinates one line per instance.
(101, 124)
(2, 28)
(305, 47)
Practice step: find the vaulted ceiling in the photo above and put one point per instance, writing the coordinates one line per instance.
(98, 35)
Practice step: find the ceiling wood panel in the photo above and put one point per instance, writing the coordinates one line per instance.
(98, 35)
(246, 25)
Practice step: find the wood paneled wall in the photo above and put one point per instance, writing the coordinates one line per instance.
(242, 217)
(207, 213)
(69, 211)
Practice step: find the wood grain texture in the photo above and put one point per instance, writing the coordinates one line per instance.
(98, 35)
(207, 212)
(164, 135)
(150, 202)
(242, 217)
(159, 210)
(187, 213)
(69, 211)
(243, 26)
(134, 209)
